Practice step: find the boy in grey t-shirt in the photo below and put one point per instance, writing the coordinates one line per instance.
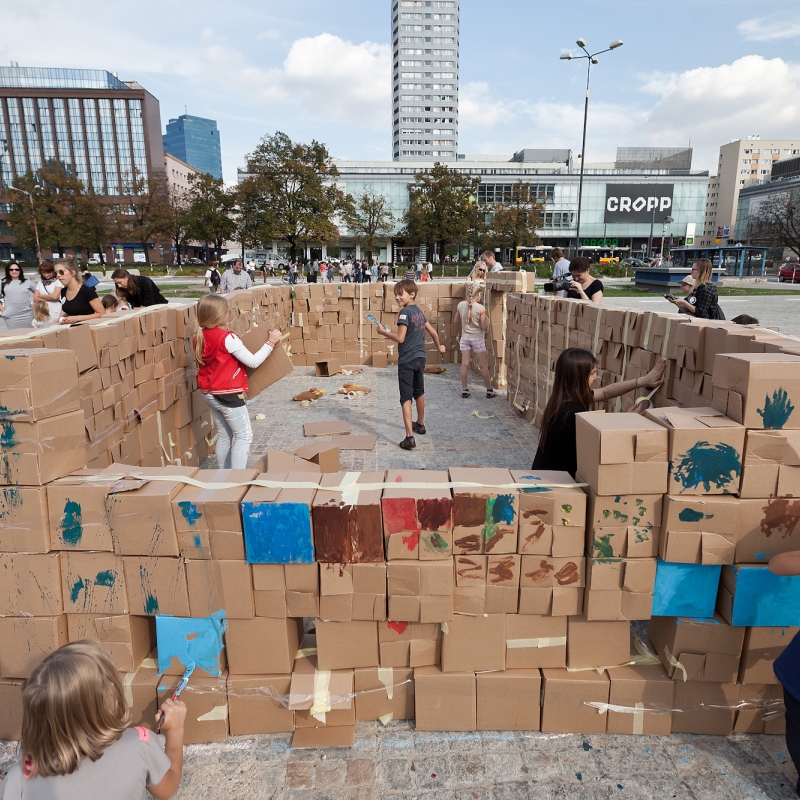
(410, 338)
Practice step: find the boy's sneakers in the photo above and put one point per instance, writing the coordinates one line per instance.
(420, 429)
(465, 393)
(490, 392)
(408, 443)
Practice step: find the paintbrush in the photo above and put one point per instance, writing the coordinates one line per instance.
(176, 693)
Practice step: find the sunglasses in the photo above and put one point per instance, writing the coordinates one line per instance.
(13, 269)
(61, 272)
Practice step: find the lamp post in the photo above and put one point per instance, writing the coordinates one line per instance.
(591, 58)
(3, 153)
(667, 221)
(33, 216)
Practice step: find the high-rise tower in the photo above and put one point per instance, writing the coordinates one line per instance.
(425, 79)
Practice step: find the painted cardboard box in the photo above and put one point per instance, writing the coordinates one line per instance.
(705, 450)
(277, 521)
(127, 639)
(619, 588)
(752, 595)
(254, 704)
(551, 586)
(552, 519)
(209, 520)
(485, 520)
(181, 641)
(77, 512)
(771, 464)
(474, 644)
(699, 530)
(760, 649)
(685, 590)
(409, 644)
(30, 585)
(445, 701)
(417, 523)
(384, 693)
(352, 592)
(566, 698)
(621, 453)
(627, 526)
(509, 700)
(93, 583)
(156, 586)
(767, 527)
(347, 525)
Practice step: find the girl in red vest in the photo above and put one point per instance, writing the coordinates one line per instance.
(222, 358)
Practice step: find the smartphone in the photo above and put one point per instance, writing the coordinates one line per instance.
(375, 321)
(669, 297)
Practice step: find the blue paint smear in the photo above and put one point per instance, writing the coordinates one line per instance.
(8, 435)
(277, 533)
(765, 599)
(72, 523)
(535, 489)
(777, 410)
(192, 641)
(531, 477)
(190, 512)
(77, 588)
(503, 510)
(685, 590)
(105, 578)
(716, 465)
(690, 515)
(197, 541)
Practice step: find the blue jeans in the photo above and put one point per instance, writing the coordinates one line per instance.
(233, 424)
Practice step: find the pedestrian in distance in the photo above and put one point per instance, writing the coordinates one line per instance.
(138, 291)
(560, 266)
(222, 358)
(410, 339)
(212, 279)
(703, 302)
(16, 297)
(233, 279)
(430, 271)
(330, 272)
(419, 271)
(474, 324)
(79, 302)
(49, 289)
(76, 741)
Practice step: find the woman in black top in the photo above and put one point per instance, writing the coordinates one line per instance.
(703, 302)
(138, 290)
(79, 302)
(584, 286)
(573, 393)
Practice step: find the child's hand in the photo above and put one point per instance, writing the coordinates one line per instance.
(274, 336)
(174, 714)
(442, 348)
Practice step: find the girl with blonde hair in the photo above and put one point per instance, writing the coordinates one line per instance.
(474, 324)
(76, 742)
(222, 358)
(703, 301)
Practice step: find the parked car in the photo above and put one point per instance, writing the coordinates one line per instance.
(272, 260)
(633, 263)
(789, 272)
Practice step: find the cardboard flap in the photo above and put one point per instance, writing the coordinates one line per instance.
(650, 446)
(717, 422)
(616, 447)
(736, 406)
(695, 665)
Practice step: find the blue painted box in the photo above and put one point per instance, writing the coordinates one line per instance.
(752, 595)
(277, 521)
(685, 590)
(183, 641)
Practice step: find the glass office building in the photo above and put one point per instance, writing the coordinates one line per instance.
(195, 141)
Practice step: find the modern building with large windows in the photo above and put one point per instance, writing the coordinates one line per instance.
(195, 140)
(425, 79)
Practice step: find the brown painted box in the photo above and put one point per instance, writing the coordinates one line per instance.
(766, 527)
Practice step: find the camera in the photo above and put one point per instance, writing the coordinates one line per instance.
(559, 284)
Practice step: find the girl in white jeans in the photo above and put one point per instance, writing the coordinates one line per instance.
(222, 378)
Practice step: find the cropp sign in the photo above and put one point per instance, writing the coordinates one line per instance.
(635, 202)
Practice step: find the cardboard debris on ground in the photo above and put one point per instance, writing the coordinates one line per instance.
(336, 427)
(358, 441)
(310, 395)
(324, 454)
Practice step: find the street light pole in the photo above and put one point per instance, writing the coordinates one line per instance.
(591, 58)
(650, 240)
(667, 221)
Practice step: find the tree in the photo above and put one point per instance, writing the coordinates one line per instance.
(144, 209)
(179, 222)
(776, 222)
(210, 210)
(515, 221)
(94, 223)
(299, 197)
(442, 207)
(368, 218)
(247, 214)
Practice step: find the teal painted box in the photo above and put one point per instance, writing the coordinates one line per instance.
(685, 590)
(752, 595)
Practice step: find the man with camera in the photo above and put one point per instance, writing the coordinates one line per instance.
(561, 267)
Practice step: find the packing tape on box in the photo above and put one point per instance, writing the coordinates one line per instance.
(304, 652)
(675, 663)
(127, 680)
(321, 703)
(386, 719)
(596, 333)
(624, 358)
(544, 641)
(772, 708)
(216, 713)
(386, 677)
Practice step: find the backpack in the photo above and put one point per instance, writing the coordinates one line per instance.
(215, 277)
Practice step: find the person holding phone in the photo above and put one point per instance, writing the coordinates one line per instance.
(703, 301)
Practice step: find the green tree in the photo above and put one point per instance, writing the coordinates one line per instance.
(94, 223)
(776, 222)
(442, 207)
(144, 209)
(368, 218)
(179, 220)
(299, 197)
(515, 221)
(247, 214)
(211, 210)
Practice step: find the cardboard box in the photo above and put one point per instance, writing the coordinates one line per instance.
(765, 528)
(27, 641)
(11, 708)
(35, 453)
(445, 701)
(384, 693)
(619, 588)
(771, 464)
(760, 649)
(623, 525)
(141, 692)
(156, 586)
(474, 644)
(277, 461)
(408, 644)
(509, 700)
(30, 585)
(277, 522)
(216, 586)
(320, 699)
(709, 650)
(551, 586)
(253, 707)
(685, 590)
(126, 639)
(705, 450)
(328, 367)
(302, 590)
(206, 708)
(324, 454)
(346, 645)
(352, 592)
(761, 709)
(93, 583)
(182, 641)
(277, 366)
(262, 646)
(763, 389)
(566, 696)
(552, 520)
(77, 513)
(38, 384)
(417, 522)
(23, 512)
(485, 520)
(705, 707)
(535, 641)
(699, 530)
(209, 521)
(621, 453)
(752, 595)
(597, 643)
(347, 525)
(269, 591)
(641, 697)
(420, 591)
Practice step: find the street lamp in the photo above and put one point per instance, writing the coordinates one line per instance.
(591, 59)
(33, 216)
(667, 221)
(3, 153)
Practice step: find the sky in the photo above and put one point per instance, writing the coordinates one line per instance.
(699, 71)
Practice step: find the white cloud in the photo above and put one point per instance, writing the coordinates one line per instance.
(657, 82)
(770, 28)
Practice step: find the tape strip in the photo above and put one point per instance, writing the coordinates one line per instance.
(666, 340)
(349, 488)
(545, 641)
(386, 677)
(216, 713)
(445, 629)
(638, 709)
(638, 719)
(624, 357)
(596, 333)
(646, 339)
(675, 663)
(304, 652)
(322, 696)
(645, 656)
(386, 718)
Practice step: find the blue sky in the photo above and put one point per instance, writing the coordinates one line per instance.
(707, 70)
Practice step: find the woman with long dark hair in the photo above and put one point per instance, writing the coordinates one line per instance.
(703, 302)
(16, 296)
(138, 291)
(573, 393)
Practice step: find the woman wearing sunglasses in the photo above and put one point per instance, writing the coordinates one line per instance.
(79, 302)
(16, 296)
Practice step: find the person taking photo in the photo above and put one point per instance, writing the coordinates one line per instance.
(584, 286)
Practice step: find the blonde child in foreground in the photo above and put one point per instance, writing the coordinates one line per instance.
(76, 744)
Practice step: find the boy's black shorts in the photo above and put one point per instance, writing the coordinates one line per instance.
(411, 377)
